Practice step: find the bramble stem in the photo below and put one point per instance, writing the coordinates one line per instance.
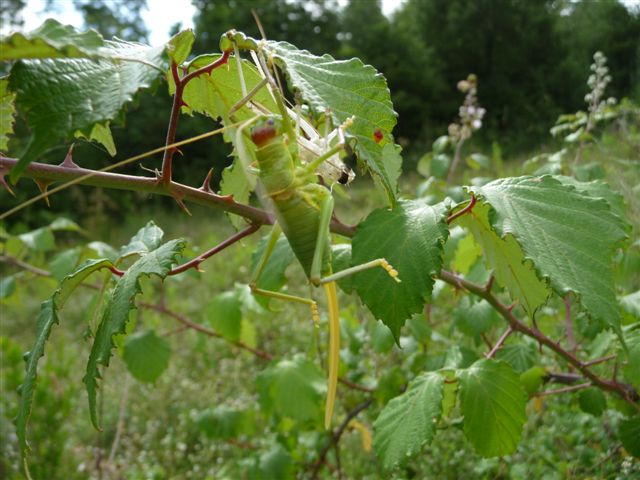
(500, 342)
(572, 388)
(459, 213)
(94, 178)
(178, 103)
(627, 392)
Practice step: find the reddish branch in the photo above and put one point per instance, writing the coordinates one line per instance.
(558, 391)
(627, 392)
(202, 329)
(178, 103)
(195, 263)
(466, 209)
(57, 173)
(500, 342)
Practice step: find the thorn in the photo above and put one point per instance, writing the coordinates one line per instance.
(206, 185)
(4, 171)
(182, 205)
(68, 159)
(43, 185)
(487, 287)
(513, 305)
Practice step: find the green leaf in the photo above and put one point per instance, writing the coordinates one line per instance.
(597, 189)
(629, 433)
(439, 166)
(569, 235)
(466, 254)
(521, 355)
(239, 184)
(116, 314)
(46, 319)
(532, 379)
(478, 161)
(64, 224)
(409, 421)
(592, 401)
(7, 112)
(7, 286)
(493, 402)
(224, 423)
(64, 263)
(146, 239)
(631, 370)
(225, 315)
(40, 240)
(62, 98)
(440, 144)
(411, 238)
(215, 94)
(274, 464)
(382, 339)
(506, 258)
(51, 40)
(272, 277)
(340, 260)
(292, 388)
(179, 47)
(475, 318)
(146, 355)
(630, 305)
(348, 88)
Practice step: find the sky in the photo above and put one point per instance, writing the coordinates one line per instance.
(155, 16)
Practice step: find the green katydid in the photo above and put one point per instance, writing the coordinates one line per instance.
(303, 210)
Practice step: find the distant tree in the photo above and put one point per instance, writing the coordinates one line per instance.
(312, 24)
(607, 26)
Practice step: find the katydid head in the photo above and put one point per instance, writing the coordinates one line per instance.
(265, 130)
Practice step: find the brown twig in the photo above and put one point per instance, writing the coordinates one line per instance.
(24, 265)
(466, 209)
(202, 329)
(500, 342)
(558, 391)
(178, 103)
(335, 436)
(627, 392)
(94, 178)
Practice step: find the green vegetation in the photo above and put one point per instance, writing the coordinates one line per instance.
(489, 325)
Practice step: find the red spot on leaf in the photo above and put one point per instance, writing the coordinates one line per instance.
(377, 135)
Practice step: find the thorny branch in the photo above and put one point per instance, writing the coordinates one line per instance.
(627, 392)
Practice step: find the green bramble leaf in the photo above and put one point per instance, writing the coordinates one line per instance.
(224, 423)
(214, 94)
(493, 402)
(593, 401)
(409, 421)
(273, 275)
(505, 257)
(568, 234)
(40, 240)
(116, 314)
(64, 98)
(7, 112)
(47, 318)
(146, 355)
(146, 239)
(51, 40)
(411, 237)
(631, 369)
(179, 47)
(629, 433)
(520, 355)
(292, 388)
(225, 315)
(348, 88)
